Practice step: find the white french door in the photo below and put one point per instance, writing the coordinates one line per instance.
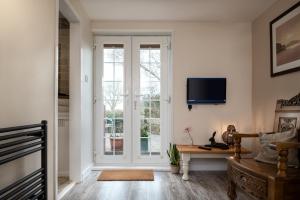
(112, 99)
(132, 100)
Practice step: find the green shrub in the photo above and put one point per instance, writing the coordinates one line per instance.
(174, 155)
(145, 129)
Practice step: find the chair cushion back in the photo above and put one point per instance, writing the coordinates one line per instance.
(269, 155)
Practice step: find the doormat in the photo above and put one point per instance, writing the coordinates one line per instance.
(126, 175)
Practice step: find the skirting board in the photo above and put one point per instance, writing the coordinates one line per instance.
(208, 164)
(86, 172)
(155, 168)
(196, 164)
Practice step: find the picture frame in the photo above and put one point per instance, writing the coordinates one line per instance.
(285, 42)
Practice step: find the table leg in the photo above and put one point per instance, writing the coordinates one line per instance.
(186, 157)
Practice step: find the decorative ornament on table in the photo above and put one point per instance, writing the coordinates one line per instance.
(215, 144)
(188, 131)
(227, 136)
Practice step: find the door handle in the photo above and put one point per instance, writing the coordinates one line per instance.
(95, 100)
(135, 102)
(139, 95)
(168, 100)
(124, 95)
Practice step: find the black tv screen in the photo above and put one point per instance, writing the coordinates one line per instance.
(206, 90)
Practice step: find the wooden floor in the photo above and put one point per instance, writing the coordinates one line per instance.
(166, 186)
(63, 181)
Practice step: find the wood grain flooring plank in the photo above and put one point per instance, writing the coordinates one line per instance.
(166, 186)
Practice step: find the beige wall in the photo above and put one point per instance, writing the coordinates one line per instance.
(84, 112)
(81, 90)
(27, 79)
(27, 74)
(205, 50)
(267, 90)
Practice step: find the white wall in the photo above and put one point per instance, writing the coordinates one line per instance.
(267, 90)
(205, 49)
(27, 76)
(27, 79)
(84, 90)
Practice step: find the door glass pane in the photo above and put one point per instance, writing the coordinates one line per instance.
(155, 136)
(118, 145)
(113, 99)
(145, 108)
(155, 109)
(145, 148)
(145, 135)
(150, 73)
(119, 55)
(108, 72)
(108, 144)
(119, 72)
(108, 55)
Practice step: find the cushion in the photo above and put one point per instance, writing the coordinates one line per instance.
(268, 155)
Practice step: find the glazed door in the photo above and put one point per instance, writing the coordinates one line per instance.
(113, 100)
(150, 99)
(131, 100)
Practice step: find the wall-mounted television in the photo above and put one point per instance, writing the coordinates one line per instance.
(206, 91)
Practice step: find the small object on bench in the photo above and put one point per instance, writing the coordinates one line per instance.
(215, 144)
(204, 147)
(218, 145)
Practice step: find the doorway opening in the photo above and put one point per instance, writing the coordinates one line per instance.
(133, 100)
(63, 103)
(67, 137)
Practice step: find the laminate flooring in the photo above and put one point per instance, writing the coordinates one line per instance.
(166, 186)
(63, 181)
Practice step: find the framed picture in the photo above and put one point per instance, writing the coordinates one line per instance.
(285, 42)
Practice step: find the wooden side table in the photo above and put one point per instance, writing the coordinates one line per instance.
(187, 151)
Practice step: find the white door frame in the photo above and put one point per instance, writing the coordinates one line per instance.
(169, 88)
(72, 16)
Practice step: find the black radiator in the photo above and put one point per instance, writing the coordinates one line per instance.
(20, 141)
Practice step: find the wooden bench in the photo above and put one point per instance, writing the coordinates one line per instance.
(187, 151)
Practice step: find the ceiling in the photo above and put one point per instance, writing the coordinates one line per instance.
(177, 10)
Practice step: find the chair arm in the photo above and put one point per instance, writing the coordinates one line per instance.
(285, 145)
(283, 151)
(237, 139)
